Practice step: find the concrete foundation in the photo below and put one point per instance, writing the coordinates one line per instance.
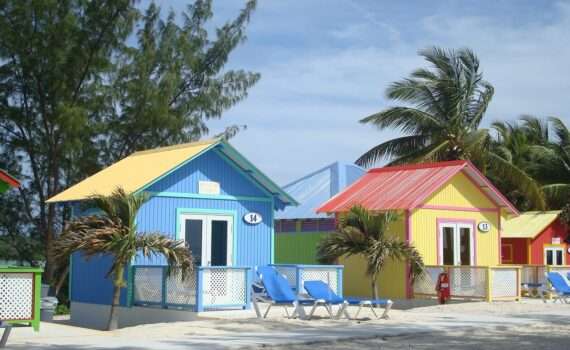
(96, 316)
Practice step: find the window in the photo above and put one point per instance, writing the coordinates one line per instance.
(456, 243)
(554, 256)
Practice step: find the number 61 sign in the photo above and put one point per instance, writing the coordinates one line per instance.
(252, 218)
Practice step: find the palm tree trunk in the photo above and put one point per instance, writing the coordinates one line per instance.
(374, 285)
(117, 285)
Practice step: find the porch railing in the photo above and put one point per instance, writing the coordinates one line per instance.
(208, 288)
(473, 282)
(298, 274)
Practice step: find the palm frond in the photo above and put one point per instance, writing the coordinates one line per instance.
(393, 148)
(408, 120)
(511, 173)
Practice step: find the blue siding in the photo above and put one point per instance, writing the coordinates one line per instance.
(208, 167)
(89, 283)
(252, 242)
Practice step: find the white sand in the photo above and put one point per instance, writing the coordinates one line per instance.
(507, 325)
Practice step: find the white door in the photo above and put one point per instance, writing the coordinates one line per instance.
(456, 244)
(209, 238)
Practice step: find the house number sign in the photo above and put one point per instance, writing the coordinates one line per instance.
(253, 218)
(484, 226)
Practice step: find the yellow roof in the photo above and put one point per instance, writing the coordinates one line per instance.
(133, 172)
(528, 224)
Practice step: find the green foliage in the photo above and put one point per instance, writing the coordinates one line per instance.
(444, 107)
(114, 232)
(62, 309)
(366, 234)
(76, 93)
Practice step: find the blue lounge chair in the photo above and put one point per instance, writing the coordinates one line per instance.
(321, 291)
(275, 290)
(560, 287)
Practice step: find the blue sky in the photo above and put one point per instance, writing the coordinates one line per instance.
(326, 63)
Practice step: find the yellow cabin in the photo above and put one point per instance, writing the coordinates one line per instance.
(449, 211)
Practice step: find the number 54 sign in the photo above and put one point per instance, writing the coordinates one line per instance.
(252, 218)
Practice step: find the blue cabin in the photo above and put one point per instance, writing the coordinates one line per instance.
(205, 193)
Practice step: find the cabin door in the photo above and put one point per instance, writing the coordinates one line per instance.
(456, 244)
(209, 238)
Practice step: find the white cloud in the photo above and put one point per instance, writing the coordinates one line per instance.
(304, 112)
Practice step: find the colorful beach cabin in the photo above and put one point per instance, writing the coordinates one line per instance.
(536, 238)
(298, 229)
(7, 181)
(205, 193)
(449, 211)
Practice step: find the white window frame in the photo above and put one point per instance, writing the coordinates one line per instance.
(456, 226)
(554, 250)
(207, 234)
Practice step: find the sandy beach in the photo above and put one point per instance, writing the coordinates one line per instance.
(503, 325)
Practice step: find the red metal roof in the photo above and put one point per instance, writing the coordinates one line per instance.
(407, 186)
(9, 179)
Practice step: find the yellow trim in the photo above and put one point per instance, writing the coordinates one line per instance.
(529, 251)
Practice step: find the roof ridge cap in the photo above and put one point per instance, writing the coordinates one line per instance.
(418, 166)
(173, 147)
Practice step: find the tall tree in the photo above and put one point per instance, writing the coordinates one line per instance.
(76, 94)
(367, 235)
(444, 107)
(114, 232)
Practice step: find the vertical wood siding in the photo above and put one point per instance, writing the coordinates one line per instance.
(252, 243)
(208, 167)
(544, 239)
(460, 192)
(297, 247)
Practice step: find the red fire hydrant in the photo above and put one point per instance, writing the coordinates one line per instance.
(442, 287)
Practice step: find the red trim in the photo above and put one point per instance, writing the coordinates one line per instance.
(454, 208)
(9, 179)
(440, 221)
(499, 234)
(408, 230)
(493, 188)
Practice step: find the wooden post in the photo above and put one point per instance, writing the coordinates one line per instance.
(489, 296)
(519, 279)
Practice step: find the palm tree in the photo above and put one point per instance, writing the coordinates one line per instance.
(114, 232)
(521, 144)
(444, 107)
(555, 165)
(366, 234)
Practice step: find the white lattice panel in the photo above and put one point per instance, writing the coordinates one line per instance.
(327, 275)
(148, 284)
(290, 273)
(468, 282)
(426, 283)
(224, 287)
(181, 291)
(16, 296)
(504, 283)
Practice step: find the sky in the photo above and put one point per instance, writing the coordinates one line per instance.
(325, 64)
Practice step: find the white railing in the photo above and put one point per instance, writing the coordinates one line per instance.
(213, 287)
(473, 282)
